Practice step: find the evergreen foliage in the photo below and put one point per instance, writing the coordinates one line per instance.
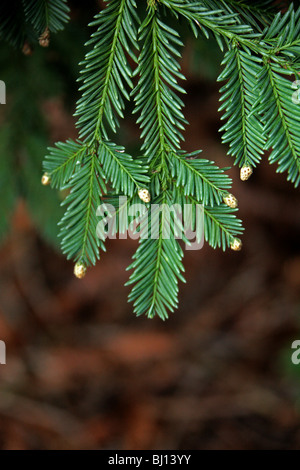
(26, 20)
(42, 14)
(134, 54)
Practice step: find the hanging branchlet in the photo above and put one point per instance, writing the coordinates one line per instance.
(175, 174)
(46, 16)
(92, 163)
(24, 22)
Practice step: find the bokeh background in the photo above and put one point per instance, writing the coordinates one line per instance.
(82, 372)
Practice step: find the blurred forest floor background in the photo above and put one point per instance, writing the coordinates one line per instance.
(82, 372)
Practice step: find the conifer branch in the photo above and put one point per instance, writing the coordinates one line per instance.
(160, 109)
(199, 177)
(243, 130)
(79, 224)
(262, 53)
(107, 74)
(106, 77)
(157, 266)
(281, 116)
(46, 14)
(61, 162)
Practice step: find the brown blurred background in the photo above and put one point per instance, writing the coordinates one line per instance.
(83, 373)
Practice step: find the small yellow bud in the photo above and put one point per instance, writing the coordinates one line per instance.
(80, 270)
(46, 179)
(245, 172)
(236, 245)
(144, 195)
(230, 200)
